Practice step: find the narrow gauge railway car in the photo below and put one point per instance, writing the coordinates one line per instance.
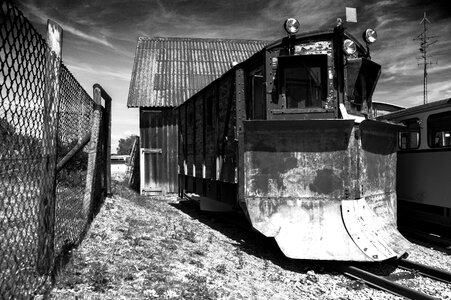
(287, 137)
(424, 161)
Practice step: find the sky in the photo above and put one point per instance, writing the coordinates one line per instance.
(100, 38)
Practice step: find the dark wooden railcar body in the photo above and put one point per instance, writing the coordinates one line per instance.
(287, 137)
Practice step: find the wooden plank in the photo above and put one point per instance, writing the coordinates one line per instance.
(162, 162)
(107, 142)
(152, 150)
(240, 117)
(46, 230)
(91, 174)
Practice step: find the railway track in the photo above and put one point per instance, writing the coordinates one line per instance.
(385, 284)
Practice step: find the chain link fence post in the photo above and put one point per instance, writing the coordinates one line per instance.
(46, 230)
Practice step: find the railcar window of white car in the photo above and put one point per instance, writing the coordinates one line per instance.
(410, 137)
(439, 130)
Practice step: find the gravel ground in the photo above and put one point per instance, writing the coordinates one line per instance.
(157, 248)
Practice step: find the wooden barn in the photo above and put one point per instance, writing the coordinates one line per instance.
(166, 72)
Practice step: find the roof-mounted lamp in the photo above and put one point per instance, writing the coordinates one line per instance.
(369, 36)
(349, 47)
(291, 26)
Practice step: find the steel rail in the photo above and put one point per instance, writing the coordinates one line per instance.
(383, 283)
(424, 270)
(429, 240)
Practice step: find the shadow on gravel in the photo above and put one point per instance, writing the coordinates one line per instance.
(236, 227)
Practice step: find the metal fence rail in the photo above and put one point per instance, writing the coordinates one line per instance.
(54, 155)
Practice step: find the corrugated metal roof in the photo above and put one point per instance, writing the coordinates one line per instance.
(167, 71)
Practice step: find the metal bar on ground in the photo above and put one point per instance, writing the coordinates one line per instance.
(73, 151)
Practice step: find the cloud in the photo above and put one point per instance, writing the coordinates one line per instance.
(103, 71)
(96, 39)
(42, 16)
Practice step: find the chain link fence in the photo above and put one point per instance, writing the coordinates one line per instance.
(53, 158)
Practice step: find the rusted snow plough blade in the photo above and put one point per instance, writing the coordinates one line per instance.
(324, 189)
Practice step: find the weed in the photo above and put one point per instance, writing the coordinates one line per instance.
(196, 278)
(210, 238)
(239, 255)
(169, 244)
(99, 277)
(196, 263)
(265, 267)
(221, 269)
(199, 252)
(190, 236)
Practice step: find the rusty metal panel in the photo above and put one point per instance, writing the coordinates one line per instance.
(299, 158)
(370, 222)
(162, 64)
(190, 136)
(304, 185)
(378, 157)
(304, 228)
(210, 132)
(226, 155)
(199, 136)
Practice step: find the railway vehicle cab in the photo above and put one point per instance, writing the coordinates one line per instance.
(302, 77)
(288, 137)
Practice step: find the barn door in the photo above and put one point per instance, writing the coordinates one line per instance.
(152, 158)
(152, 173)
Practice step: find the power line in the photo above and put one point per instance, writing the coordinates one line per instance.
(424, 45)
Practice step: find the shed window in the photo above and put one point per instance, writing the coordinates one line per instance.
(410, 137)
(439, 130)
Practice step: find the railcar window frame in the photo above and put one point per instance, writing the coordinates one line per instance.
(256, 103)
(439, 130)
(306, 61)
(410, 124)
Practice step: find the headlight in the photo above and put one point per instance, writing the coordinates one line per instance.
(291, 25)
(349, 47)
(370, 36)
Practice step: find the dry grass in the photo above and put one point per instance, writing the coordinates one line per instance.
(156, 248)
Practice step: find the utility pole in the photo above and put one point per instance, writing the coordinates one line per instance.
(424, 45)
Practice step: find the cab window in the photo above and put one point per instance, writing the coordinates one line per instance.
(303, 80)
